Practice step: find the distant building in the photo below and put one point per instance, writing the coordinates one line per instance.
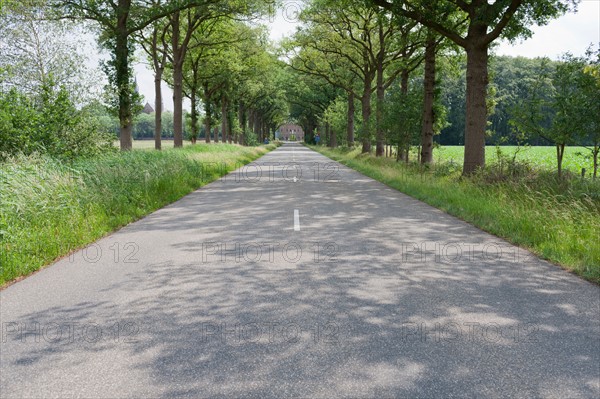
(290, 132)
(148, 109)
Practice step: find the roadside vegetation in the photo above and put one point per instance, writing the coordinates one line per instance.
(391, 77)
(50, 208)
(556, 219)
(63, 182)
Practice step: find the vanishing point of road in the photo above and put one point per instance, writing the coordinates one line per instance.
(297, 277)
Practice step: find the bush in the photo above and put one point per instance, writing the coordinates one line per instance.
(49, 125)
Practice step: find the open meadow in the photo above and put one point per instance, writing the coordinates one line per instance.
(543, 157)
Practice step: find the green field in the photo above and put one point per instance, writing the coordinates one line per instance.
(149, 144)
(574, 160)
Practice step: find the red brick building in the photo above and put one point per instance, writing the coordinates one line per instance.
(290, 132)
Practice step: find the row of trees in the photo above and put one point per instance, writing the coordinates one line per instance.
(208, 51)
(203, 49)
(364, 49)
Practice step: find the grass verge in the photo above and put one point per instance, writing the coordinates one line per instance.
(49, 208)
(555, 219)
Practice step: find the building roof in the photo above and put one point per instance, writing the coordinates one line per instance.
(148, 109)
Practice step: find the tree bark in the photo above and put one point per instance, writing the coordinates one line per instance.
(333, 134)
(230, 135)
(251, 117)
(216, 129)
(596, 151)
(379, 134)
(242, 122)
(404, 140)
(207, 116)
(224, 129)
(257, 126)
(157, 110)
(428, 102)
(177, 106)
(366, 115)
(122, 76)
(177, 83)
(379, 112)
(194, 115)
(350, 126)
(476, 108)
(560, 152)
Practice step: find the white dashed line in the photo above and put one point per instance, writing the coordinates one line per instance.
(296, 220)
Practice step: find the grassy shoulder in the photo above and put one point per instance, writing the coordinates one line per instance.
(556, 220)
(49, 208)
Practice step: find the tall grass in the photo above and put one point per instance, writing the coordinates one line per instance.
(555, 219)
(48, 208)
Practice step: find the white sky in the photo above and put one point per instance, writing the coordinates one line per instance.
(573, 32)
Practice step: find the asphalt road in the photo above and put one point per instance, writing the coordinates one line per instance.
(297, 277)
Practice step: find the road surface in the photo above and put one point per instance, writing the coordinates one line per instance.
(297, 277)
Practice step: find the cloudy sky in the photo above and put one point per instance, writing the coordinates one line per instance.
(573, 32)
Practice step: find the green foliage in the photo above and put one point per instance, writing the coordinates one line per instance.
(50, 125)
(403, 114)
(336, 115)
(50, 208)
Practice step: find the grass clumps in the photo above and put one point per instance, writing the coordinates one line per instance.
(557, 219)
(50, 207)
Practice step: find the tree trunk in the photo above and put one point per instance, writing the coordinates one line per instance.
(257, 126)
(177, 84)
(379, 111)
(157, 109)
(194, 115)
(404, 139)
(428, 101)
(216, 133)
(207, 116)
(229, 127)
(333, 134)
(366, 114)
(350, 126)
(560, 152)
(476, 108)
(122, 76)
(242, 122)
(596, 151)
(251, 117)
(224, 118)
(177, 106)
(379, 136)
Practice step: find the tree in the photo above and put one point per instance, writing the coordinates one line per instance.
(154, 43)
(554, 105)
(118, 20)
(588, 83)
(36, 52)
(429, 98)
(369, 45)
(474, 26)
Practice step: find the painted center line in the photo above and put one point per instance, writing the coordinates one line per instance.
(296, 220)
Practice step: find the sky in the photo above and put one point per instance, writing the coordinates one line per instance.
(573, 32)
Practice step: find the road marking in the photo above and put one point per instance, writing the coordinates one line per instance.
(296, 220)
